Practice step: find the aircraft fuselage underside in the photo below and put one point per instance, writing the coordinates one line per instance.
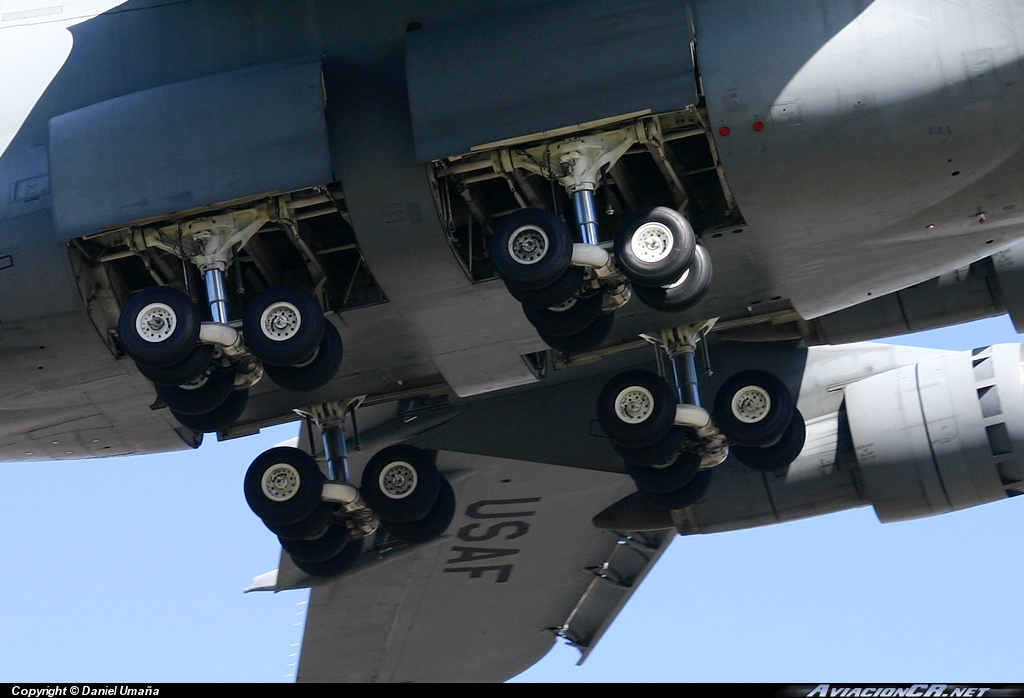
(807, 199)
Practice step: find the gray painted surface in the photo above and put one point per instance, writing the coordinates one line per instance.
(514, 73)
(863, 106)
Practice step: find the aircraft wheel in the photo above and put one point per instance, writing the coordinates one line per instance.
(436, 522)
(309, 527)
(557, 293)
(590, 338)
(400, 483)
(654, 248)
(159, 326)
(218, 419)
(663, 479)
(531, 248)
(318, 372)
(320, 549)
(753, 408)
(637, 408)
(662, 451)
(685, 496)
(341, 562)
(571, 317)
(780, 455)
(283, 485)
(686, 292)
(283, 326)
(194, 365)
(200, 396)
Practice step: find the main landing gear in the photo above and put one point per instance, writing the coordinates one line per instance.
(670, 443)
(570, 290)
(321, 521)
(202, 369)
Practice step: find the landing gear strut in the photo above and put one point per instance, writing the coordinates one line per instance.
(670, 443)
(203, 370)
(656, 254)
(322, 521)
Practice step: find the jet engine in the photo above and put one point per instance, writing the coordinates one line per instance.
(940, 435)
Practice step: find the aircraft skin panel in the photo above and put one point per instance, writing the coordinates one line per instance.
(920, 118)
(511, 568)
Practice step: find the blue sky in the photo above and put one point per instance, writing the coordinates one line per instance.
(132, 569)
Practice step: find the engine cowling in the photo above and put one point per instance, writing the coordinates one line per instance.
(940, 435)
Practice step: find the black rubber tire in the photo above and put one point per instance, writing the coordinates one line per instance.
(780, 455)
(590, 338)
(319, 549)
(219, 419)
(194, 365)
(685, 295)
(559, 292)
(309, 527)
(341, 562)
(571, 318)
(664, 271)
(182, 339)
(768, 428)
(686, 496)
(305, 495)
(667, 478)
(413, 504)
(200, 400)
(662, 451)
(550, 259)
(661, 403)
(318, 372)
(436, 522)
(295, 349)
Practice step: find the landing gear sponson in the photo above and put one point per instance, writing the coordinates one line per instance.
(670, 443)
(322, 521)
(202, 369)
(570, 290)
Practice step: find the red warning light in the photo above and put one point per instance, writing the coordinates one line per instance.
(725, 130)
(759, 126)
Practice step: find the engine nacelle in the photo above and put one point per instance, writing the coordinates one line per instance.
(941, 435)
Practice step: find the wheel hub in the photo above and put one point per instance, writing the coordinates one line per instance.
(156, 323)
(634, 404)
(528, 245)
(280, 482)
(398, 480)
(652, 243)
(281, 321)
(751, 404)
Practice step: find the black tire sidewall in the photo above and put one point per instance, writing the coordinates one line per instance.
(175, 348)
(590, 338)
(202, 400)
(683, 497)
(318, 372)
(664, 271)
(652, 429)
(419, 501)
(219, 419)
(565, 323)
(780, 455)
(685, 295)
(295, 349)
(667, 479)
(306, 498)
(764, 432)
(436, 522)
(545, 271)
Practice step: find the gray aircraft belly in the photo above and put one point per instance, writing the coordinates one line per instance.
(887, 129)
